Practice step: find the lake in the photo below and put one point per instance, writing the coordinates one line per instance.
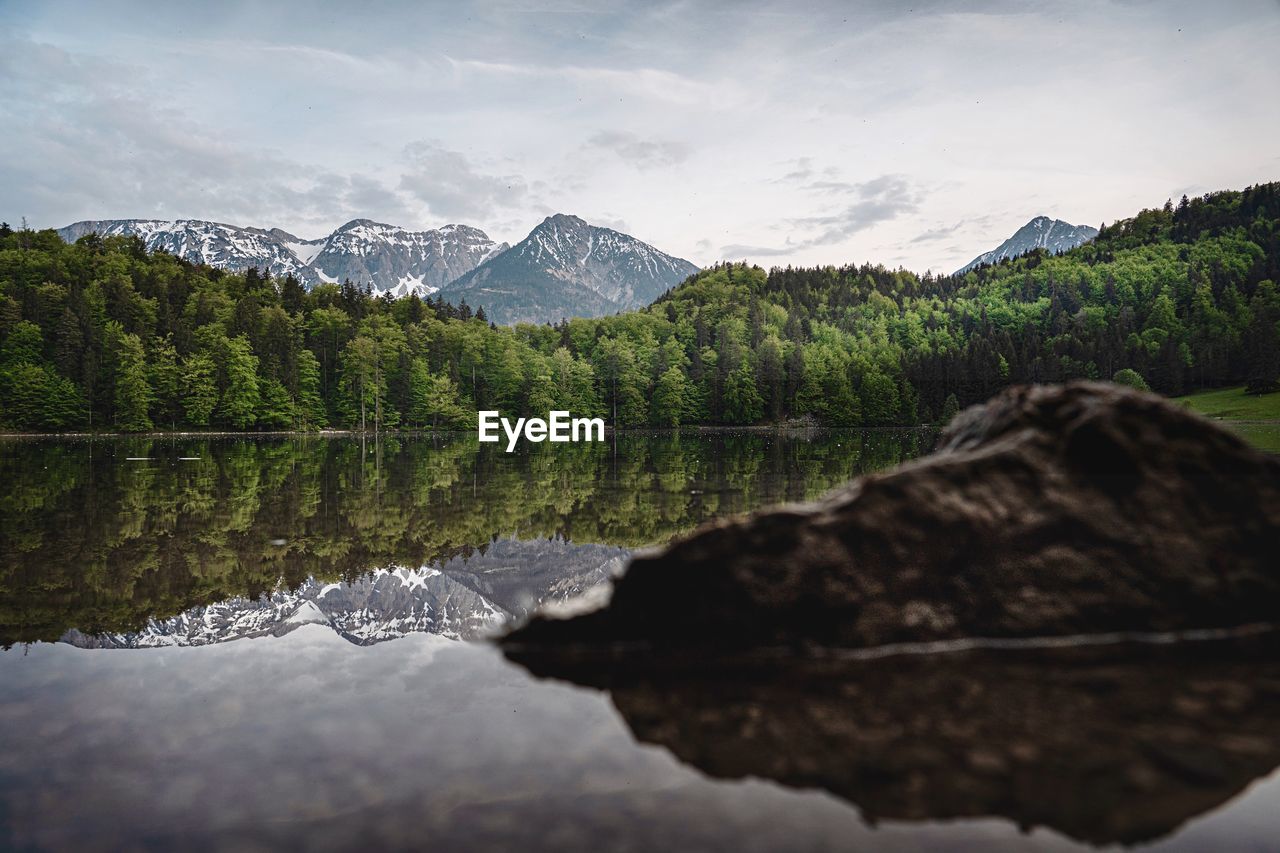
(238, 644)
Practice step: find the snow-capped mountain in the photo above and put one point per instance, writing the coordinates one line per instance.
(567, 268)
(385, 257)
(225, 246)
(401, 261)
(1040, 233)
(564, 268)
(461, 598)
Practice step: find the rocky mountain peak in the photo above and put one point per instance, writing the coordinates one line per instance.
(567, 267)
(1042, 232)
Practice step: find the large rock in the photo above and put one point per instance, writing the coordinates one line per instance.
(1058, 510)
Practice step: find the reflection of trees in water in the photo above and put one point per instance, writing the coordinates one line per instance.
(93, 541)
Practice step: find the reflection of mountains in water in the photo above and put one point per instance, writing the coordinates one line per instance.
(460, 598)
(1111, 745)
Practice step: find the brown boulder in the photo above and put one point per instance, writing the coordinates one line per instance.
(1048, 511)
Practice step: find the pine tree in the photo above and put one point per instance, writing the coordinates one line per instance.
(1262, 341)
(909, 412)
(621, 383)
(950, 408)
(63, 406)
(880, 403)
(275, 406)
(360, 380)
(292, 294)
(310, 408)
(23, 345)
(771, 377)
(434, 399)
(241, 398)
(133, 394)
(670, 399)
(165, 377)
(199, 388)
(541, 395)
(742, 401)
(69, 345)
(34, 397)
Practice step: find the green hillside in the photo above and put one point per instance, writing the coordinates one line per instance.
(103, 335)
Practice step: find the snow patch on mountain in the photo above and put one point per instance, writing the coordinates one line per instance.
(306, 252)
(565, 268)
(1040, 233)
(307, 614)
(387, 258)
(460, 599)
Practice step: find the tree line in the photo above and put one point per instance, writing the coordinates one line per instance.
(104, 335)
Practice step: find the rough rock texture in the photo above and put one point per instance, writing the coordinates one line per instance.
(1099, 749)
(1050, 510)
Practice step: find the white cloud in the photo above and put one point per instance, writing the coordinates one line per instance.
(826, 133)
(650, 84)
(453, 188)
(861, 206)
(639, 152)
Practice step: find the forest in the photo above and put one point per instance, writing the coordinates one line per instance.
(104, 336)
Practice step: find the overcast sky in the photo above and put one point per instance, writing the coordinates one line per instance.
(915, 134)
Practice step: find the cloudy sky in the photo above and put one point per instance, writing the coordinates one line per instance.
(915, 134)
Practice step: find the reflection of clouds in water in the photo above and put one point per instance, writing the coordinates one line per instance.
(308, 740)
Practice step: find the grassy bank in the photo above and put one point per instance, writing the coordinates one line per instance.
(1233, 404)
(1255, 418)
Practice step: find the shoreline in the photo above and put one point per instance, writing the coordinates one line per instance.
(344, 433)
(711, 429)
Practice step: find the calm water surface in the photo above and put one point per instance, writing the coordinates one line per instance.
(240, 644)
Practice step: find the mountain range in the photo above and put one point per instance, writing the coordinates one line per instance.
(1040, 233)
(564, 268)
(460, 598)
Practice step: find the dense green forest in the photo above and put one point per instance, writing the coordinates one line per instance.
(103, 335)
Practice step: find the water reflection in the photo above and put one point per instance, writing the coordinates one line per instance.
(464, 598)
(153, 540)
(309, 732)
(308, 741)
(1105, 745)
